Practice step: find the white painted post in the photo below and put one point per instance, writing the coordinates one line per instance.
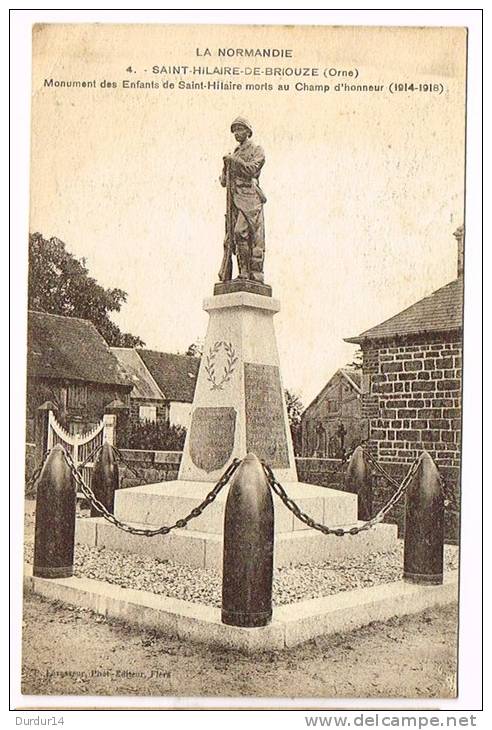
(75, 455)
(49, 445)
(109, 425)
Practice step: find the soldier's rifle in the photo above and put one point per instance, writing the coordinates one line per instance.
(225, 273)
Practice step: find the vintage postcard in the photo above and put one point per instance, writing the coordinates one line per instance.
(244, 363)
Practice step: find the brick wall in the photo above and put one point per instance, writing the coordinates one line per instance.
(414, 400)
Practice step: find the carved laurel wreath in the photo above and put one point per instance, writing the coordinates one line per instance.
(217, 381)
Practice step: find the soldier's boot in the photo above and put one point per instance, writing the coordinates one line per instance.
(256, 267)
(242, 250)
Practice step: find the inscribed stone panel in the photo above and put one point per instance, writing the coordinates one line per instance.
(265, 426)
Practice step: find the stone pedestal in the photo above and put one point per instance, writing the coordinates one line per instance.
(239, 407)
(200, 544)
(243, 285)
(239, 404)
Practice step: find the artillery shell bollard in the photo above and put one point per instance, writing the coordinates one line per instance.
(424, 526)
(358, 478)
(54, 535)
(248, 548)
(105, 479)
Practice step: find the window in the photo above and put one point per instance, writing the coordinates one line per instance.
(147, 413)
(76, 395)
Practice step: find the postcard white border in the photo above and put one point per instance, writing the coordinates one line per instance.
(470, 628)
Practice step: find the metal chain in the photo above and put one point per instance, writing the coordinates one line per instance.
(372, 461)
(165, 529)
(35, 475)
(210, 497)
(37, 471)
(341, 531)
(448, 494)
(91, 456)
(347, 455)
(118, 455)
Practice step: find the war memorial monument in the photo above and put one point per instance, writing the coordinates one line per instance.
(237, 505)
(238, 408)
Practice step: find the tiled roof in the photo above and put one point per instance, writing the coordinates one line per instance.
(175, 375)
(353, 375)
(441, 311)
(69, 348)
(144, 385)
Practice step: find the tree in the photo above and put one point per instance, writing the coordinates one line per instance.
(295, 409)
(357, 362)
(196, 348)
(59, 283)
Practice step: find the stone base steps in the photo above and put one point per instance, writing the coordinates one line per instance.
(291, 625)
(200, 543)
(166, 502)
(204, 549)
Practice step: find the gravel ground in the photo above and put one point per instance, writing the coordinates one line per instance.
(200, 585)
(68, 650)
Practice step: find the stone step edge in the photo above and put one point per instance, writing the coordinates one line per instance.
(292, 624)
(301, 534)
(125, 505)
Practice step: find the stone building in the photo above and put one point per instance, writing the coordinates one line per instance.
(411, 389)
(147, 403)
(163, 384)
(70, 364)
(411, 380)
(333, 420)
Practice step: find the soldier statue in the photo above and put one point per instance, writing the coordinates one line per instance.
(245, 227)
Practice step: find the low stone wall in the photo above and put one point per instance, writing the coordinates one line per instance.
(160, 466)
(151, 466)
(382, 491)
(323, 472)
(331, 473)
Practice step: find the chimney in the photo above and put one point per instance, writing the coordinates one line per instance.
(459, 234)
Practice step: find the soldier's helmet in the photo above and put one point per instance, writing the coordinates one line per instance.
(244, 122)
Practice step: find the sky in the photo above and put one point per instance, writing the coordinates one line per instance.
(364, 189)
